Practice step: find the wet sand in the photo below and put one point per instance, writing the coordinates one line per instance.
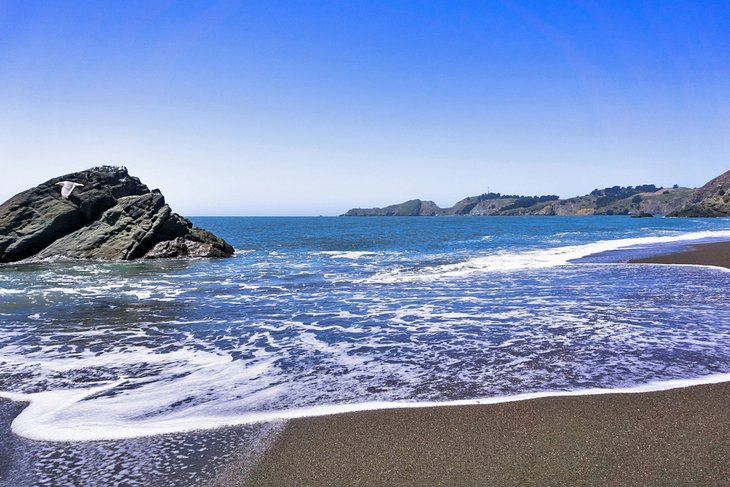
(188, 459)
(675, 437)
(715, 254)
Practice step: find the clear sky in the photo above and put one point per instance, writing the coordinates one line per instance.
(312, 107)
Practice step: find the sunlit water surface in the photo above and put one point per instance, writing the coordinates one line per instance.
(340, 312)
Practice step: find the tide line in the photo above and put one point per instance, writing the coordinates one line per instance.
(33, 422)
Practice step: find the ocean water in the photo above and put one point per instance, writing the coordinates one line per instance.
(317, 315)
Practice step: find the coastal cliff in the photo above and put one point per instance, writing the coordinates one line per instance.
(711, 200)
(408, 208)
(108, 215)
(616, 200)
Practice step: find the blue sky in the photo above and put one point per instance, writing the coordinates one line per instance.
(313, 107)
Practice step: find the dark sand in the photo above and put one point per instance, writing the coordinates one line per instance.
(676, 437)
(716, 254)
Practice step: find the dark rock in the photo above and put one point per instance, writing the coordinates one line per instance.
(113, 216)
(408, 208)
(429, 208)
(711, 200)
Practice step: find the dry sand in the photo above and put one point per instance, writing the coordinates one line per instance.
(676, 437)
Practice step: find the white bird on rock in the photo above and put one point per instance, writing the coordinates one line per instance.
(67, 187)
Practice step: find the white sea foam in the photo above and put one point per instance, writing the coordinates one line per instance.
(244, 344)
(9, 292)
(505, 261)
(39, 421)
(352, 254)
(216, 390)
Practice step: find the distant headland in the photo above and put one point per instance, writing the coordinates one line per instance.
(711, 200)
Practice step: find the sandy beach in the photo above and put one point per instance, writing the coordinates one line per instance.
(715, 254)
(673, 437)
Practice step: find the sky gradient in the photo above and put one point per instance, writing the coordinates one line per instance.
(313, 107)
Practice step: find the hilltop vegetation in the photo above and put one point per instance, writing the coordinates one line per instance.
(614, 200)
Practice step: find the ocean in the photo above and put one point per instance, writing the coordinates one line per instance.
(315, 315)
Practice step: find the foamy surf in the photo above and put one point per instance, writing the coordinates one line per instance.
(36, 421)
(508, 261)
(352, 254)
(293, 329)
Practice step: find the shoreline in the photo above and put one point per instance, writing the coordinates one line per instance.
(278, 416)
(715, 254)
(671, 436)
(672, 432)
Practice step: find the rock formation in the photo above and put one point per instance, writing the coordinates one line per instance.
(711, 200)
(112, 216)
(408, 208)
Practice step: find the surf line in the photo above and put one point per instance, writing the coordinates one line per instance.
(506, 261)
(35, 422)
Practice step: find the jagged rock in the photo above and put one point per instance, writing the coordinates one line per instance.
(711, 200)
(429, 208)
(113, 216)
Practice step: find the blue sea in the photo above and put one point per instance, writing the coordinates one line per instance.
(326, 314)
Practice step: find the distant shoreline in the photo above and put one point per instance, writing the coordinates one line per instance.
(642, 200)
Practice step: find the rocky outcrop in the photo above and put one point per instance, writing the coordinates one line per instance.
(408, 208)
(711, 200)
(112, 216)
